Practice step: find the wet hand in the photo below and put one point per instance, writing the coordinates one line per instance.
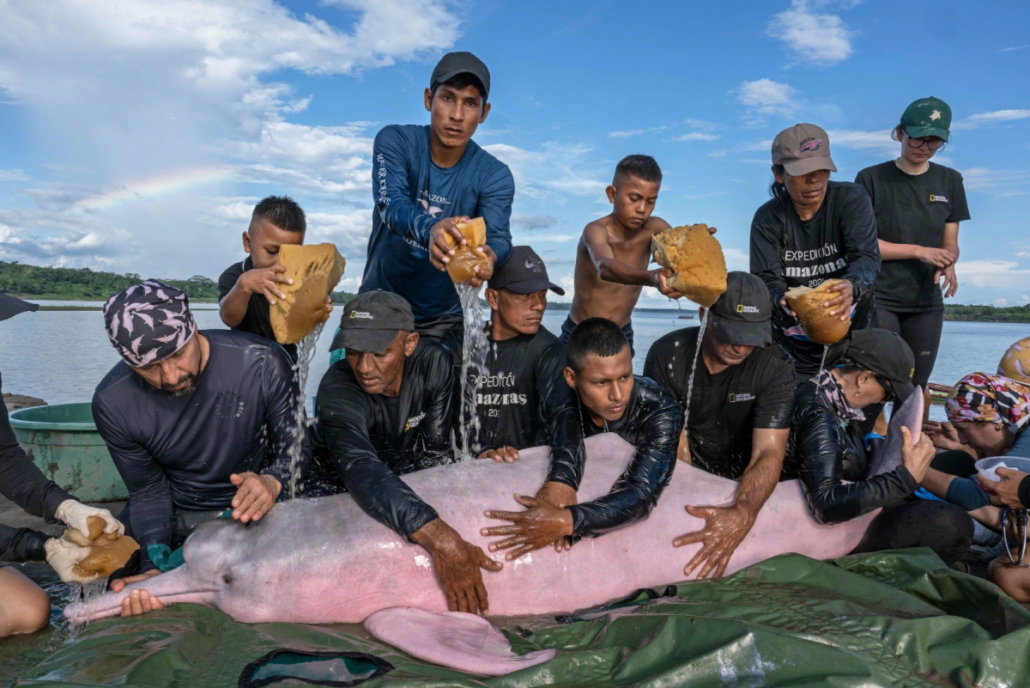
(1006, 491)
(842, 303)
(725, 528)
(916, 459)
(328, 307)
(255, 496)
(561, 496)
(118, 584)
(938, 257)
(501, 455)
(540, 525)
(664, 275)
(63, 556)
(440, 249)
(783, 302)
(140, 602)
(950, 281)
(483, 272)
(76, 515)
(265, 281)
(943, 435)
(458, 565)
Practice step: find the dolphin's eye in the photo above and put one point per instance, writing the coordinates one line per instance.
(227, 578)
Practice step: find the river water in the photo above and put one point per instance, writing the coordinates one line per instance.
(60, 356)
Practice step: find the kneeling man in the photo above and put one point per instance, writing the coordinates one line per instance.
(740, 407)
(523, 385)
(386, 410)
(196, 422)
(607, 398)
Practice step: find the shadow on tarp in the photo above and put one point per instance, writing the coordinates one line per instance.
(885, 619)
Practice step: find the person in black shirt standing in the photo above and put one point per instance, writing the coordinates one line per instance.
(385, 410)
(918, 206)
(811, 231)
(740, 410)
(246, 289)
(523, 385)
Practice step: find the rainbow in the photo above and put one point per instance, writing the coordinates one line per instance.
(156, 186)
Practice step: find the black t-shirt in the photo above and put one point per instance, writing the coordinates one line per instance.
(256, 321)
(371, 439)
(838, 242)
(724, 408)
(522, 389)
(912, 209)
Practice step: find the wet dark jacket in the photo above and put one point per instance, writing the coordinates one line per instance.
(25, 485)
(828, 452)
(372, 440)
(652, 423)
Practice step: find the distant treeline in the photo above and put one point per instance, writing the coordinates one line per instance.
(1012, 314)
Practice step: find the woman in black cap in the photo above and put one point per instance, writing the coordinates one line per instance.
(813, 230)
(827, 447)
(918, 206)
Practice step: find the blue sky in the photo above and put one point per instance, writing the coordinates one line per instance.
(138, 135)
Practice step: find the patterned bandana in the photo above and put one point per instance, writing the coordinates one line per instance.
(834, 394)
(990, 398)
(148, 322)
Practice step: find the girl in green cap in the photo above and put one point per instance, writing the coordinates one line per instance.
(918, 206)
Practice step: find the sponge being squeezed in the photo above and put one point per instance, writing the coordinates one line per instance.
(315, 271)
(696, 257)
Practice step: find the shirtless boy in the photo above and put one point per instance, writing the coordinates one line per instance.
(613, 254)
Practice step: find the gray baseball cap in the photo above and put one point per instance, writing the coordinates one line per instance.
(372, 320)
(743, 314)
(453, 64)
(801, 149)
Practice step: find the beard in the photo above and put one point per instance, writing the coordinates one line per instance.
(191, 384)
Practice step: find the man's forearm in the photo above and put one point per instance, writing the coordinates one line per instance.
(233, 307)
(611, 270)
(759, 480)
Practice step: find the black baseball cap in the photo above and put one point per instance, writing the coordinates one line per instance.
(371, 321)
(11, 306)
(453, 64)
(524, 273)
(743, 314)
(886, 354)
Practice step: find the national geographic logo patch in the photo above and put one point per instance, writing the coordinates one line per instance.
(741, 396)
(362, 315)
(938, 199)
(413, 422)
(741, 308)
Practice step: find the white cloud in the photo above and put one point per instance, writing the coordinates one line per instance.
(822, 39)
(553, 168)
(13, 176)
(635, 132)
(349, 231)
(696, 136)
(1013, 48)
(1001, 303)
(765, 97)
(879, 142)
(987, 118)
(736, 259)
(993, 273)
(1002, 182)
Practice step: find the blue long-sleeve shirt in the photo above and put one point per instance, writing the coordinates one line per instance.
(412, 194)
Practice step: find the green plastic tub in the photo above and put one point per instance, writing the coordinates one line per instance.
(63, 441)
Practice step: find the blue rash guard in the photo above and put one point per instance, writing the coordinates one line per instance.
(412, 194)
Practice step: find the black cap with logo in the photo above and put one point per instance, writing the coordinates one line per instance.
(743, 314)
(524, 273)
(886, 354)
(453, 64)
(371, 321)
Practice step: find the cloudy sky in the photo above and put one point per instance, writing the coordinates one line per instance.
(135, 136)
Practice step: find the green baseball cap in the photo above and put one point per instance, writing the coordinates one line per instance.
(927, 117)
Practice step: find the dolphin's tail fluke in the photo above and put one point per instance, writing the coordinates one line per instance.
(174, 586)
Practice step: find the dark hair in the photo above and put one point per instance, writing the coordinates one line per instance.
(595, 336)
(459, 82)
(283, 212)
(642, 166)
(897, 131)
(778, 189)
(847, 367)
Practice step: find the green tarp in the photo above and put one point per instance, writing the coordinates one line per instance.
(885, 619)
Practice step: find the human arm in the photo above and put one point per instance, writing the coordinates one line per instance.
(21, 481)
(232, 307)
(457, 564)
(946, 277)
(861, 250)
(568, 455)
(440, 406)
(394, 200)
(495, 208)
(611, 269)
(22, 544)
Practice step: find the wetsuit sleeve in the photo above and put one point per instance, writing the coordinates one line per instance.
(343, 423)
(390, 191)
(767, 252)
(861, 248)
(829, 497)
(282, 397)
(22, 544)
(552, 390)
(568, 455)
(495, 207)
(441, 407)
(636, 492)
(21, 481)
(150, 495)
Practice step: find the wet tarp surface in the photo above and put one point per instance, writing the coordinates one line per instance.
(885, 619)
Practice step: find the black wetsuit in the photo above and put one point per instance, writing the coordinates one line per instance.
(25, 485)
(177, 453)
(256, 320)
(369, 440)
(523, 387)
(725, 408)
(838, 242)
(834, 465)
(652, 422)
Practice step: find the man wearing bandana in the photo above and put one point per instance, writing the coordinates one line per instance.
(196, 422)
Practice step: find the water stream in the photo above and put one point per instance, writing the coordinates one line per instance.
(306, 349)
(473, 367)
(822, 363)
(693, 369)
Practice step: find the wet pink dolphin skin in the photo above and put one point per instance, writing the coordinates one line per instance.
(325, 561)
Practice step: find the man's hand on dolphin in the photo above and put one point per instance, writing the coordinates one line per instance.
(501, 454)
(540, 525)
(560, 495)
(255, 496)
(457, 564)
(725, 528)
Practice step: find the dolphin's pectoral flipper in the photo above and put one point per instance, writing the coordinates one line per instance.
(888, 456)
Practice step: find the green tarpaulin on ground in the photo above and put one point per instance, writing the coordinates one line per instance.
(885, 619)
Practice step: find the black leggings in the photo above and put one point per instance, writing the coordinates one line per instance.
(944, 528)
(922, 333)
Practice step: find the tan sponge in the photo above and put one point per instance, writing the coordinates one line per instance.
(819, 325)
(108, 552)
(315, 271)
(462, 265)
(696, 257)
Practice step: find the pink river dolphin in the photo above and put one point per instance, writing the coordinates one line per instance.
(323, 560)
